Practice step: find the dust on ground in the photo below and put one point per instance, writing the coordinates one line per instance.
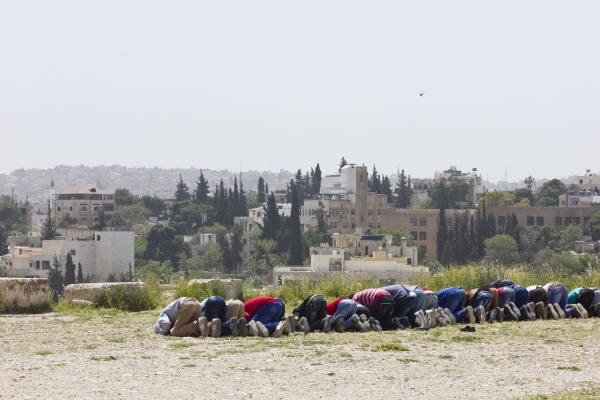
(110, 354)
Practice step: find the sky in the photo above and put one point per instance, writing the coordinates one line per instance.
(286, 85)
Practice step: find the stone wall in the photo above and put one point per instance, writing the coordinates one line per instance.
(20, 293)
(233, 287)
(92, 291)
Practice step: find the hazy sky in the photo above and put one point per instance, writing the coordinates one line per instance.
(284, 85)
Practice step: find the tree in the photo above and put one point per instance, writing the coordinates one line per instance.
(523, 203)
(223, 243)
(48, 231)
(266, 248)
(397, 235)
(161, 270)
(156, 205)
(375, 181)
(243, 202)
(524, 193)
(271, 221)
(69, 271)
(236, 245)
(182, 191)
(235, 201)
(130, 273)
(102, 223)
(322, 217)
(343, 163)
(55, 279)
(260, 196)
(547, 195)
(497, 198)
(447, 256)
(592, 227)
(135, 214)
(162, 244)
(403, 192)
(442, 233)
(386, 188)
(222, 205)
(296, 254)
(529, 181)
(201, 191)
(123, 197)
(117, 220)
(501, 250)
(316, 181)
(79, 273)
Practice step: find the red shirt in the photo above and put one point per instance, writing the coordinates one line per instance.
(251, 306)
(332, 307)
(369, 297)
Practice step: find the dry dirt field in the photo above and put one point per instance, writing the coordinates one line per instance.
(108, 354)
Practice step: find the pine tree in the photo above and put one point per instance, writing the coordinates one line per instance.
(48, 230)
(243, 209)
(202, 190)
(80, 273)
(296, 254)
(375, 181)
(236, 199)
(260, 196)
(403, 192)
(386, 188)
(69, 271)
(55, 279)
(182, 191)
(343, 163)
(316, 181)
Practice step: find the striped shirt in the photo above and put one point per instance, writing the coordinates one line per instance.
(369, 297)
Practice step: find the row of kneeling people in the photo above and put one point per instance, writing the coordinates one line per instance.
(386, 308)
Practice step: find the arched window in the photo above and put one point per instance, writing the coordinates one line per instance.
(70, 208)
(83, 220)
(83, 208)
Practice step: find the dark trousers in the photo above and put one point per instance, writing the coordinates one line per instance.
(316, 311)
(215, 307)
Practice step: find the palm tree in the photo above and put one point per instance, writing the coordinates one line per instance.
(267, 246)
(529, 181)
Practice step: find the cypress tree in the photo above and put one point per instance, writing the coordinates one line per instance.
(222, 206)
(55, 279)
(375, 181)
(230, 209)
(243, 209)
(296, 254)
(260, 195)
(442, 232)
(216, 198)
(266, 188)
(80, 272)
(236, 199)
(69, 271)
(182, 192)
(403, 192)
(386, 188)
(299, 183)
(479, 236)
(447, 256)
(343, 163)
(202, 190)
(130, 272)
(48, 230)
(316, 182)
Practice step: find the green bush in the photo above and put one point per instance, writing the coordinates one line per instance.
(199, 291)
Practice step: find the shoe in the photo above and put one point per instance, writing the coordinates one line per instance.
(242, 327)
(531, 305)
(327, 322)
(396, 324)
(215, 327)
(431, 318)
(233, 326)
(356, 324)
(575, 312)
(366, 326)
(421, 320)
(527, 313)
(166, 327)
(303, 325)
(450, 316)
(281, 326)
(480, 314)
(515, 310)
(597, 309)
(584, 312)
(499, 316)
(559, 311)
(531, 312)
(203, 326)
(405, 322)
(338, 322)
(262, 330)
(291, 319)
(491, 318)
(552, 311)
(470, 315)
(375, 326)
(252, 329)
(468, 329)
(540, 310)
(441, 318)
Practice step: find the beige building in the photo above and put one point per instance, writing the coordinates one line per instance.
(109, 250)
(83, 202)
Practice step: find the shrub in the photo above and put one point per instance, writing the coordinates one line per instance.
(132, 298)
(199, 291)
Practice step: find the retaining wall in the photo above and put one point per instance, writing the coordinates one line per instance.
(20, 293)
(93, 291)
(233, 287)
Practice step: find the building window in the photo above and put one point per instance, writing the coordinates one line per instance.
(529, 221)
(84, 208)
(567, 221)
(98, 238)
(378, 212)
(362, 204)
(353, 226)
(72, 252)
(540, 221)
(414, 235)
(558, 221)
(345, 225)
(70, 208)
(370, 226)
(244, 241)
(45, 264)
(352, 212)
(423, 222)
(58, 209)
(362, 178)
(370, 213)
(413, 222)
(96, 219)
(37, 265)
(83, 220)
(422, 235)
(334, 225)
(424, 249)
(249, 227)
(362, 219)
(362, 191)
(378, 225)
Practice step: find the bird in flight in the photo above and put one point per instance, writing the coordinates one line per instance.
(421, 94)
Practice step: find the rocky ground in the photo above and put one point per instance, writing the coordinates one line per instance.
(107, 354)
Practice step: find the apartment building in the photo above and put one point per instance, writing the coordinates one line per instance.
(83, 202)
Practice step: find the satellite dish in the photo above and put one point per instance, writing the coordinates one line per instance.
(380, 248)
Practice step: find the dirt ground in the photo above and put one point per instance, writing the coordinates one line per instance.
(99, 355)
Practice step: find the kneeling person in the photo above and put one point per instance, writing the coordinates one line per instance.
(181, 318)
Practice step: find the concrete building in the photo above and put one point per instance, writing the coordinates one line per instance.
(255, 217)
(589, 181)
(107, 251)
(557, 217)
(83, 202)
(370, 255)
